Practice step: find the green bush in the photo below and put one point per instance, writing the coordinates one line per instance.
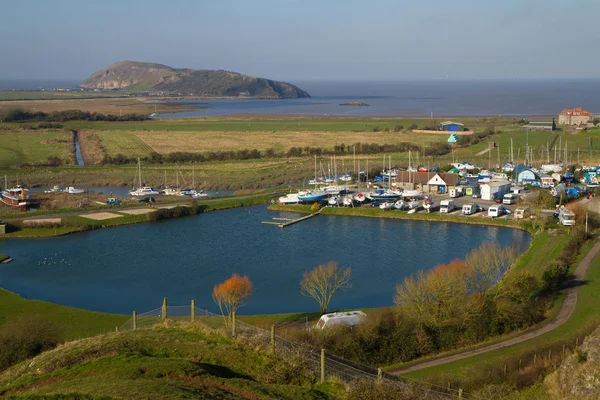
(27, 337)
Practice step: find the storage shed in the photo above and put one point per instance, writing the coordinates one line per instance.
(489, 190)
(523, 174)
(451, 126)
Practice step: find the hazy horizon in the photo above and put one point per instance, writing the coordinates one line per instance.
(306, 40)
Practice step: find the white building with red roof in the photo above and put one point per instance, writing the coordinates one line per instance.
(574, 116)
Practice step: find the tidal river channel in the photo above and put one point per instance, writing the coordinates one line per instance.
(133, 267)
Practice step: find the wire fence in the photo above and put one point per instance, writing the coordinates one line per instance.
(317, 362)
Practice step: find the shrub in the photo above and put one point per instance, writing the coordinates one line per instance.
(27, 337)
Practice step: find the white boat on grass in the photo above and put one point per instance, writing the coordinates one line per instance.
(428, 204)
(400, 205)
(348, 201)
(360, 197)
(335, 201)
(387, 205)
(291, 198)
(414, 204)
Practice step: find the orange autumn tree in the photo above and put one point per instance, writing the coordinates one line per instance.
(230, 295)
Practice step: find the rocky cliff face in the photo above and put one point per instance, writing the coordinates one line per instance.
(578, 376)
(144, 77)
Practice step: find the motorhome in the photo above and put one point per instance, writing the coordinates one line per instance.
(566, 217)
(522, 213)
(447, 206)
(471, 208)
(509, 198)
(346, 318)
(496, 211)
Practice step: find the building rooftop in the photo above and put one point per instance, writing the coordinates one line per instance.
(578, 111)
(450, 123)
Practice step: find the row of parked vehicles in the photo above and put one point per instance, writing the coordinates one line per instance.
(448, 206)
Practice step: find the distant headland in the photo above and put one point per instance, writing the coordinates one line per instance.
(142, 77)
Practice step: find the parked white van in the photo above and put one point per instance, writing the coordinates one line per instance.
(471, 208)
(345, 318)
(509, 198)
(447, 206)
(566, 217)
(496, 211)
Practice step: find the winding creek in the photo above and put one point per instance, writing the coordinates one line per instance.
(135, 266)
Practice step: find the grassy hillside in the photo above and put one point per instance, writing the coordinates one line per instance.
(74, 322)
(174, 363)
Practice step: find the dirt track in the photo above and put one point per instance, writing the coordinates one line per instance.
(566, 309)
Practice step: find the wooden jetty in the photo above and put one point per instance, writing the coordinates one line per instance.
(283, 222)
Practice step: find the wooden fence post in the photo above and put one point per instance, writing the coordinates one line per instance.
(193, 311)
(505, 369)
(164, 309)
(233, 324)
(134, 320)
(272, 338)
(322, 365)
(534, 359)
(379, 375)
(519, 365)
(116, 329)
(460, 394)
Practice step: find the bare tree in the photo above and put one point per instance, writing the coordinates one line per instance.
(488, 263)
(323, 281)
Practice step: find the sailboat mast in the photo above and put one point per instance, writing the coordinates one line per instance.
(140, 172)
(315, 172)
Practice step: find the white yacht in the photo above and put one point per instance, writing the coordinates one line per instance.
(144, 191)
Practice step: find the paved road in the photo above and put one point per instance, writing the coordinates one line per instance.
(566, 309)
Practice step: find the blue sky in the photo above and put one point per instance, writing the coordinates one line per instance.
(305, 39)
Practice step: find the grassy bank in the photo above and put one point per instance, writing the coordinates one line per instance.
(74, 322)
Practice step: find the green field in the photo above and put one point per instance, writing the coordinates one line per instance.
(34, 147)
(292, 124)
(31, 95)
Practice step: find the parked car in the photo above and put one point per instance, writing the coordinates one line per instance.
(113, 201)
(147, 200)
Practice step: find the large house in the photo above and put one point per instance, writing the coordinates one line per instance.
(574, 116)
(428, 182)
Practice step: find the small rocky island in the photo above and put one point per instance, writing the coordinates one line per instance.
(355, 104)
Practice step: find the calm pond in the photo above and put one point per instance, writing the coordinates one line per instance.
(134, 267)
